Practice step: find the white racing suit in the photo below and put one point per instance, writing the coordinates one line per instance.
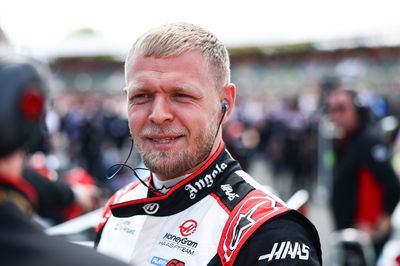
(213, 217)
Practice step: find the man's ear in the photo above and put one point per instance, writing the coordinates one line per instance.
(125, 89)
(228, 95)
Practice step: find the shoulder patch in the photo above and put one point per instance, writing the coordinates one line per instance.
(253, 211)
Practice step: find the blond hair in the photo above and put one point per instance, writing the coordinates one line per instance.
(176, 38)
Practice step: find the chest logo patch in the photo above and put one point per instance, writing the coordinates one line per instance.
(188, 228)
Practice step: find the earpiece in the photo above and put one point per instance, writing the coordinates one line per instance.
(224, 105)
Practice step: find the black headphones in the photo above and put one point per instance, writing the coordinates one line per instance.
(22, 103)
(224, 105)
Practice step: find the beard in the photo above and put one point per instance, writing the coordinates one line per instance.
(173, 163)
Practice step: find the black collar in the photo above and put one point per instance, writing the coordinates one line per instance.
(186, 193)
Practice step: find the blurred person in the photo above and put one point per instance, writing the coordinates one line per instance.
(22, 242)
(83, 126)
(197, 207)
(365, 189)
(63, 195)
(288, 147)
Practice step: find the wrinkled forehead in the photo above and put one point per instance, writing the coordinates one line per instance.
(190, 62)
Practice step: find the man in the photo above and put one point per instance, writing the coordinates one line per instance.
(365, 187)
(21, 241)
(197, 207)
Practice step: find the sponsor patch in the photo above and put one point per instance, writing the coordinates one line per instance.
(183, 244)
(287, 250)
(206, 181)
(188, 228)
(158, 261)
(229, 192)
(175, 262)
(125, 226)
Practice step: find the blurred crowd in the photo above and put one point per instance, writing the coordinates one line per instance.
(90, 131)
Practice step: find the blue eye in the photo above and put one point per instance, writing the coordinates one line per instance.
(140, 98)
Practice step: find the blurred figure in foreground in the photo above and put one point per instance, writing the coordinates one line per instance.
(21, 241)
(365, 187)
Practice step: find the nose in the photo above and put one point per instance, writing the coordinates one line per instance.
(161, 111)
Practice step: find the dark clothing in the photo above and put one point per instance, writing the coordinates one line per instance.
(53, 196)
(364, 183)
(23, 243)
(286, 232)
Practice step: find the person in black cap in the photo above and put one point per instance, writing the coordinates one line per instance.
(22, 242)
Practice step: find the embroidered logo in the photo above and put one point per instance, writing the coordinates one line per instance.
(285, 250)
(183, 244)
(206, 181)
(250, 214)
(158, 261)
(151, 208)
(229, 192)
(244, 222)
(188, 228)
(124, 226)
(175, 262)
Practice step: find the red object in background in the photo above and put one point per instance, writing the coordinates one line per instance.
(369, 198)
(32, 103)
(78, 176)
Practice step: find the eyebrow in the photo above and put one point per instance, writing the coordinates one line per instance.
(137, 86)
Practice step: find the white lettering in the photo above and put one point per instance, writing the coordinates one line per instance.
(304, 252)
(206, 181)
(209, 180)
(192, 191)
(300, 251)
(279, 252)
(229, 192)
(269, 255)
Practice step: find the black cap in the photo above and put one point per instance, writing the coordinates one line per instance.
(22, 103)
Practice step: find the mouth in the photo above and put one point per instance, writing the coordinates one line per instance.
(163, 140)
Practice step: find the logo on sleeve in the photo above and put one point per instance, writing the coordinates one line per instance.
(286, 249)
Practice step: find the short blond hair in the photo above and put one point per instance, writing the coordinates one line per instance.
(176, 38)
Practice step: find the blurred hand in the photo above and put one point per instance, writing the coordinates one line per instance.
(88, 197)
